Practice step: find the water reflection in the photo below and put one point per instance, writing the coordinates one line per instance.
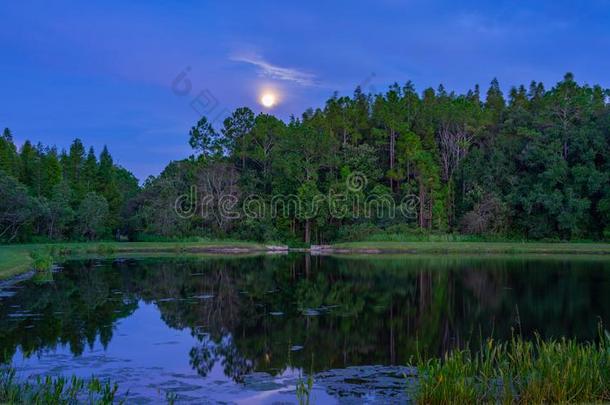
(276, 314)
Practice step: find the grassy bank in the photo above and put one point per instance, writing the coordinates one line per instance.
(560, 371)
(13, 261)
(16, 259)
(472, 247)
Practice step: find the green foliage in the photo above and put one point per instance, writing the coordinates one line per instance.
(43, 190)
(17, 209)
(92, 216)
(9, 158)
(203, 138)
(532, 165)
(58, 390)
(41, 261)
(304, 388)
(60, 213)
(518, 371)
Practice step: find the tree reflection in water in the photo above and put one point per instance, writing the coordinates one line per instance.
(207, 353)
(267, 313)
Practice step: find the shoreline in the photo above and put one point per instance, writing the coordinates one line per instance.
(16, 259)
(415, 248)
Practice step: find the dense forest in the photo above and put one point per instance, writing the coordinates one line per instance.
(534, 164)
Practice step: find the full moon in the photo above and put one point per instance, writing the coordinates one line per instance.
(268, 100)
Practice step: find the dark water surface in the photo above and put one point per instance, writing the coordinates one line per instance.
(244, 329)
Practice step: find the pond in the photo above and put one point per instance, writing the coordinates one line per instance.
(249, 329)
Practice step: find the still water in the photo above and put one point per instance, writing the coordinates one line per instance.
(246, 329)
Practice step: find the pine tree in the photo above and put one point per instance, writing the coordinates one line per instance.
(107, 187)
(9, 158)
(73, 169)
(30, 174)
(90, 169)
(51, 171)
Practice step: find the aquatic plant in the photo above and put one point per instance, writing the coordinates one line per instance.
(54, 390)
(304, 388)
(518, 371)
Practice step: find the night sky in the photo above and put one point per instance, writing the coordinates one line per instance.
(106, 71)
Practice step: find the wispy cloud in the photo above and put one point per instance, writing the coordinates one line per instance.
(276, 72)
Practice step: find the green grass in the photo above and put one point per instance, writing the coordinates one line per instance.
(473, 247)
(58, 390)
(556, 371)
(16, 259)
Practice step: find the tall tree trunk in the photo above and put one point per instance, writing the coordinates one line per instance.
(422, 201)
(430, 214)
(392, 157)
(308, 231)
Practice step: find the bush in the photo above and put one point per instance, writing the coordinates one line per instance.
(41, 261)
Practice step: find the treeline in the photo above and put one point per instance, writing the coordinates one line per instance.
(533, 164)
(51, 195)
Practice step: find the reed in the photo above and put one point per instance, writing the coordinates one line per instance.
(518, 371)
(54, 390)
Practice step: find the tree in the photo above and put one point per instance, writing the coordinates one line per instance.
(457, 126)
(105, 174)
(236, 129)
(494, 103)
(303, 154)
(7, 135)
(217, 185)
(204, 139)
(17, 208)
(9, 158)
(260, 149)
(153, 210)
(425, 171)
(73, 164)
(389, 114)
(337, 112)
(60, 214)
(51, 171)
(91, 217)
(31, 174)
(90, 180)
(359, 113)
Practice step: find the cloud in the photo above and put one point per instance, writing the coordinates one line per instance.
(277, 72)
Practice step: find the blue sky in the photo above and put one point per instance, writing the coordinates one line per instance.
(104, 71)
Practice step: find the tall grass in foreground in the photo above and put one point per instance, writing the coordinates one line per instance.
(519, 371)
(58, 390)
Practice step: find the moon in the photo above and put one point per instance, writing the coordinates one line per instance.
(268, 100)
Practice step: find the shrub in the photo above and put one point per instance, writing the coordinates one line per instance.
(41, 261)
